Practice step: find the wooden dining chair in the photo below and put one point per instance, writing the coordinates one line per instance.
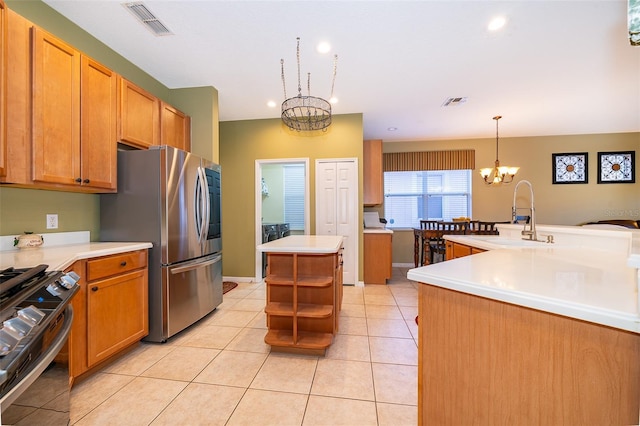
(478, 227)
(438, 245)
(423, 236)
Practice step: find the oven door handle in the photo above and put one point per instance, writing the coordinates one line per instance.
(195, 265)
(42, 362)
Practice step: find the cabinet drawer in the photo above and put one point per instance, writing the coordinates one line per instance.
(106, 266)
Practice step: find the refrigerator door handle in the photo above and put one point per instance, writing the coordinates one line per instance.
(200, 200)
(196, 265)
(207, 204)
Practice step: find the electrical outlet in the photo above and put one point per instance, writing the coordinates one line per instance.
(52, 221)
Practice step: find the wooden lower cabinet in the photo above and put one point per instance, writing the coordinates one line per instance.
(304, 297)
(377, 257)
(456, 250)
(486, 362)
(110, 309)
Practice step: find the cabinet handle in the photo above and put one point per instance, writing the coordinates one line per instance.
(79, 180)
(123, 263)
(86, 181)
(95, 288)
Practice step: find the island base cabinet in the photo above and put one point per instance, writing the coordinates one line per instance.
(302, 301)
(486, 362)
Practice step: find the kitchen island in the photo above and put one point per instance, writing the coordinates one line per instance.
(304, 292)
(532, 332)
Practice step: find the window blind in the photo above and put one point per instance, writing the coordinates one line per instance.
(294, 182)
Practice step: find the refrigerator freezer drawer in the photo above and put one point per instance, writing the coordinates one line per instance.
(192, 290)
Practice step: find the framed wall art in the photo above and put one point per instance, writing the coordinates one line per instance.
(617, 167)
(570, 167)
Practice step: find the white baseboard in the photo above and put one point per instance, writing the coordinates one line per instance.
(239, 279)
(403, 265)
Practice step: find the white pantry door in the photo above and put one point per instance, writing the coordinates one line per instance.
(337, 208)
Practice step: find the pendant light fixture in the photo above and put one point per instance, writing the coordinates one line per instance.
(306, 112)
(497, 174)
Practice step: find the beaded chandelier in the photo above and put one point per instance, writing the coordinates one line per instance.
(306, 113)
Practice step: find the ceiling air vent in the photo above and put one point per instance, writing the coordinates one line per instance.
(453, 101)
(148, 19)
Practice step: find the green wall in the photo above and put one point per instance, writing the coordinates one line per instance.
(244, 142)
(555, 204)
(26, 209)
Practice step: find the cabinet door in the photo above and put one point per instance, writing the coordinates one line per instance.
(56, 110)
(372, 172)
(377, 258)
(117, 314)
(3, 90)
(138, 116)
(18, 113)
(98, 102)
(176, 128)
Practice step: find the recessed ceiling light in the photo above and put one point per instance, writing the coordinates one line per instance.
(497, 23)
(392, 129)
(323, 47)
(271, 104)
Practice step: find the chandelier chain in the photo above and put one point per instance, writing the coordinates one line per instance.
(497, 118)
(284, 86)
(333, 81)
(298, 59)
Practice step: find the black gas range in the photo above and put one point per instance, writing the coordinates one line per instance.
(35, 318)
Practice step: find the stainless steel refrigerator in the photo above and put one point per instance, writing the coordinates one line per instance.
(170, 198)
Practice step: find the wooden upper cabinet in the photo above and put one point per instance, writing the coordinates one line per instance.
(56, 110)
(372, 170)
(98, 130)
(138, 116)
(74, 117)
(176, 128)
(3, 89)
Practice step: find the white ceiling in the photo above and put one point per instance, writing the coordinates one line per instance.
(556, 68)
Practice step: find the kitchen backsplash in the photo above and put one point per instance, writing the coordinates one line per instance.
(50, 239)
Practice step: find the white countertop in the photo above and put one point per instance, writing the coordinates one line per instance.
(303, 244)
(61, 256)
(571, 278)
(377, 231)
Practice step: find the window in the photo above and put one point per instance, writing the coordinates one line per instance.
(294, 181)
(426, 195)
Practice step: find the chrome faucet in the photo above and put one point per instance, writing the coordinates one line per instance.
(530, 233)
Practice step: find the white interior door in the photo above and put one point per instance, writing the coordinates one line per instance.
(337, 208)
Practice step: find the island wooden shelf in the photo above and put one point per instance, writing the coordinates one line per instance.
(304, 292)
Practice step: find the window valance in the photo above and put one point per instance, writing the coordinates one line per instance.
(464, 159)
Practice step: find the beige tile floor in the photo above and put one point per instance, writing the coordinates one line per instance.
(220, 371)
